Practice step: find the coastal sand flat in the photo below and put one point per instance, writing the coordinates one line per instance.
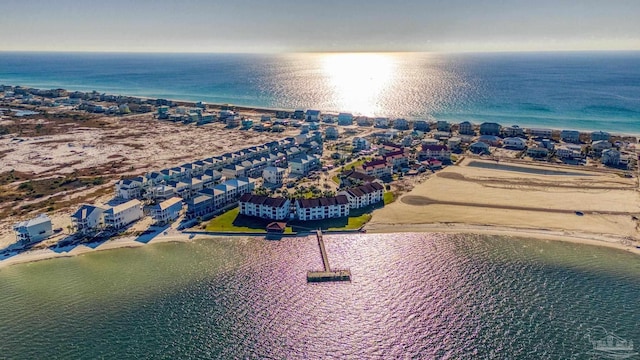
(476, 197)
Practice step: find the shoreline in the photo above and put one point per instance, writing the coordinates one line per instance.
(516, 233)
(266, 109)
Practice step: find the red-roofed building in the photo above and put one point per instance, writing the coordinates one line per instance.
(378, 168)
(364, 195)
(322, 208)
(398, 159)
(440, 152)
(265, 207)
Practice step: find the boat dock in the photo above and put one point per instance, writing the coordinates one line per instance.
(327, 274)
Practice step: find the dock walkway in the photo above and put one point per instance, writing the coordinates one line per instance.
(327, 274)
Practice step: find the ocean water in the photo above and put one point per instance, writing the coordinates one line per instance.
(577, 90)
(412, 296)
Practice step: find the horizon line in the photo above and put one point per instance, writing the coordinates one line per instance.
(486, 51)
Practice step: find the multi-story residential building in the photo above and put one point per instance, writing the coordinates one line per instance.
(331, 132)
(34, 230)
(273, 175)
(513, 131)
(345, 119)
(200, 205)
(360, 143)
(439, 152)
(271, 208)
(364, 195)
(130, 188)
(600, 135)
(88, 218)
(466, 128)
(421, 125)
(323, 208)
(233, 171)
(442, 125)
(611, 157)
(167, 211)
(381, 122)
(398, 159)
(355, 178)
(124, 214)
(378, 168)
(401, 124)
(490, 128)
(304, 164)
(313, 115)
(570, 136)
(515, 143)
(540, 132)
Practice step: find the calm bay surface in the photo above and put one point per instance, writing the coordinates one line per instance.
(412, 295)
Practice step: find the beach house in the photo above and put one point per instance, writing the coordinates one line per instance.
(88, 218)
(570, 136)
(610, 157)
(599, 146)
(540, 132)
(270, 208)
(490, 140)
(345, 119)
(442, 125)
(421, 125)
(322, 208)
(537, 152)
(466, 128)
(304, 164)
(381, 122)
(600, 135)
(479, 148)
(233, 171)
(167, 211)
(400, 124)
(490, 128)
(360, 143)
(200, 205)
(273, 175)
(513, 131)
(364, 195)
(439, 152)
(352, 177)
(122, 215)
(312, 115)
(398, 159)
(378, 168)
(130, 188)
(34, 230)
(514, 143)
(331, 133)
(569, 151)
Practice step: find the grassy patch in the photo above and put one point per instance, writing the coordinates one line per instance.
(389, 197)
(336, 179)
(232, 221)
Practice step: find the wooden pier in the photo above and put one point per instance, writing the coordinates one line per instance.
(327, 274)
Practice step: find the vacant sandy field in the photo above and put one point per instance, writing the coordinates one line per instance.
(463, 197)
(69, 160)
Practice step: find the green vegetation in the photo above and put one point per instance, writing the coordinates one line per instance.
(389, 197)
(232, 221)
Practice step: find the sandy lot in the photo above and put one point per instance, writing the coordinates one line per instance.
(467, 199)
(108, 147)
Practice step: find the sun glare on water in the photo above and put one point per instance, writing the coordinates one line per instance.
(358, 81)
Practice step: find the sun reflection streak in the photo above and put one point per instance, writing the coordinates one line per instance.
(358, 81)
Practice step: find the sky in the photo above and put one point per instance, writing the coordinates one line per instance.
(318, 25)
